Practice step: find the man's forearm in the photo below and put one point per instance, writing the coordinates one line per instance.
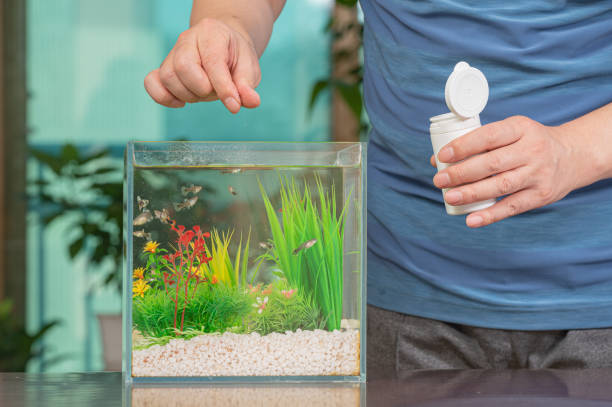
(253, 18)
(590, 137)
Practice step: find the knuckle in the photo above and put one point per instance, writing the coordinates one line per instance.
(505, 185)
(514, 208)
(546, 194)
(471, 195)
(490, 136)
(181, 64)
(521, 121)
(494, 163)
(184, 36)
(457, 174)
(167, 76)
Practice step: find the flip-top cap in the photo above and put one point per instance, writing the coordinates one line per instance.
(466, 91)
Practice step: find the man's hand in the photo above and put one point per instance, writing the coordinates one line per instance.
(532, 164)
(212, 60)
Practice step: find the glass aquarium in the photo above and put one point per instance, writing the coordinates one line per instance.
(244, 261)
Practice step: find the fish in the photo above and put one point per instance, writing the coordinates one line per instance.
(231, 171)
(186, 204)
(162, 215)
(194, 189)
(306, 245)
(144, 217)
(232, 190)
(142, 203)
(143, 234)
(265, 245)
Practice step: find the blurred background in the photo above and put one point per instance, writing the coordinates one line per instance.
(72, 95)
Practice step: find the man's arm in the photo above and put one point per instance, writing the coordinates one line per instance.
(218, 57)
(253, 18)
(532, 165)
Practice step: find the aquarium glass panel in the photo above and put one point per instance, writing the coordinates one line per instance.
(244, 261)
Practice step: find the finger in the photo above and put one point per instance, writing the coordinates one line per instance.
(507, 207)
(432, 161)
(503, 184)
(170, 80)
(247, 76)
(479, 167)
(189, 70)
(158, 91)
(249, 97)
(214, 56)
(485, 138)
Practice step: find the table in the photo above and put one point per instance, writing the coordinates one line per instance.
(499, 388)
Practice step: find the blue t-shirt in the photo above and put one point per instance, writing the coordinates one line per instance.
(550, 268)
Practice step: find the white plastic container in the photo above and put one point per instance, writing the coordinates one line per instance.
(466, 94)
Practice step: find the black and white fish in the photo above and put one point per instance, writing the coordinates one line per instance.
(186, 204)
(143, 234)
(163, 215)
(193, 189)
(232, 190)
(231, 171)
(142, 203)
(306, 245)
(144, 217)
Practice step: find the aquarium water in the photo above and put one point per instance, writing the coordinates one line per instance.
(244, 260)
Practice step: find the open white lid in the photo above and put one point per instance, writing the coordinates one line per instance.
(466, 91)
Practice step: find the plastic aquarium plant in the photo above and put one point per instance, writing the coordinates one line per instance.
(308, 246)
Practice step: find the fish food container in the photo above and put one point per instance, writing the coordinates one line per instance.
(244, 262)
(466, 94)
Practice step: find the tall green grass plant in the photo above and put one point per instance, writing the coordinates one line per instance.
(316, 271)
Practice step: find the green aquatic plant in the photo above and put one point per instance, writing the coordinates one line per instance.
(279, 308)
(307, 244)
(220, 267)
(213, 308)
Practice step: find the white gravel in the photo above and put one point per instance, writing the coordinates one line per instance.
(299, 353)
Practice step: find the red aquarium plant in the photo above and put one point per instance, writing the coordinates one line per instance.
(180, 270)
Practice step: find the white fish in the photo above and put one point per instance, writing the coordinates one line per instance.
(231, 171)
(144, 217)
(142, 203)
(194, 189)
(162, 215)
(306, 245)
(186, 204)
(232, 190)
(265, 245)
(143, 234)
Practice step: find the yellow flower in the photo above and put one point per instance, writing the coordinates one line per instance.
(139, 288)
(139, 273)
(151, 246)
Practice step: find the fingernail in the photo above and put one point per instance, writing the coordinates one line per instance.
(453, 197)
(474, 221)
(442, 180)
(232, 104)
(177, 103)
(446, 154)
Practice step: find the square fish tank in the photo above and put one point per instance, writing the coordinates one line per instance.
(244, 261)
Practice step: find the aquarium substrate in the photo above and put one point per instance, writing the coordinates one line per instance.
(299, 353)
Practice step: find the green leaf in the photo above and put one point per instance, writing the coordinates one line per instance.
(69, 153)
(347, 3)
(351, 94)
(318, 87)
(76, 246)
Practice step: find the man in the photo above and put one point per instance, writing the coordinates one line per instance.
(532, 291)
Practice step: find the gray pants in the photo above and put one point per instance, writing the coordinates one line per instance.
(399, 342)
